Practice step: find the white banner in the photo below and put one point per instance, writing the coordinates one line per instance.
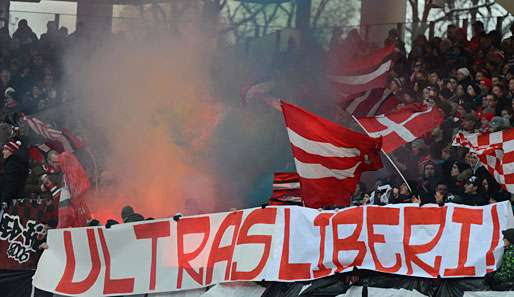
(273, 244)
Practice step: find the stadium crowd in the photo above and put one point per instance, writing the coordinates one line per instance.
(29, 83)
(471, 81)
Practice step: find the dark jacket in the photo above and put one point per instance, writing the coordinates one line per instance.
(33, 183)
(12, 180)
(474, 199)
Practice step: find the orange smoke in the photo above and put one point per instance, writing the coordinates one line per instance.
(150, 116)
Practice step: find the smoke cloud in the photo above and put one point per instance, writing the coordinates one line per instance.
(164, 120)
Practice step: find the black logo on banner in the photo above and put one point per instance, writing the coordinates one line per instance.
(22, 239)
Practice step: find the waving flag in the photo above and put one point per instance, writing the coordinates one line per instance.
(364, 73)
(495, 151)
(402, 126)
(370, 103)
(64, 138)
(73, 210)
(329, 158)
(286, 189)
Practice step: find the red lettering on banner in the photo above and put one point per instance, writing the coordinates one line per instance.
(489, 258)
(153, 231)
(113, 286)
(290, 271)
(466, 217)
(66, 284)
(351, 243)
(382, 216)
(422, 216)
(219, 254)
(258, 216)
(185, 226)
(322, 221)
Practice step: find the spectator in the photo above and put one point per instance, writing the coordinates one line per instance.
(24, 33)
(43, 177)
(478, 34)
(472, 195)
(457, 169)
(402, 194)
(491, 104)
(15, 171)
(463, 76)
(129, 216)
(477, 168)
(469, 123)
(503, 278)
(428, 181)
(485, 118)
(441, 194)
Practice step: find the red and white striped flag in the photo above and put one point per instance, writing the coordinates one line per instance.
(42, 128)
(370, 103)
(286, 189)
(329, 158)
(46, 131)
(364, 73)
(402, 126)
(495, 151)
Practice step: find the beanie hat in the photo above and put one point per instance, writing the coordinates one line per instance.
(509, 234)
(126, 212)
(464, 71)
(487, 115)
(499, 123)
(473, 180)
(10, 99)
(487, 82)
(9, 91)
(12, 146)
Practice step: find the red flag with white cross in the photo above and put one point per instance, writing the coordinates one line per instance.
(402, 126)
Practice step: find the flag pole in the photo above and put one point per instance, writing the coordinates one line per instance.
(387, 156)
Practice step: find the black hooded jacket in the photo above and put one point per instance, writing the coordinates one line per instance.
(12, 180)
